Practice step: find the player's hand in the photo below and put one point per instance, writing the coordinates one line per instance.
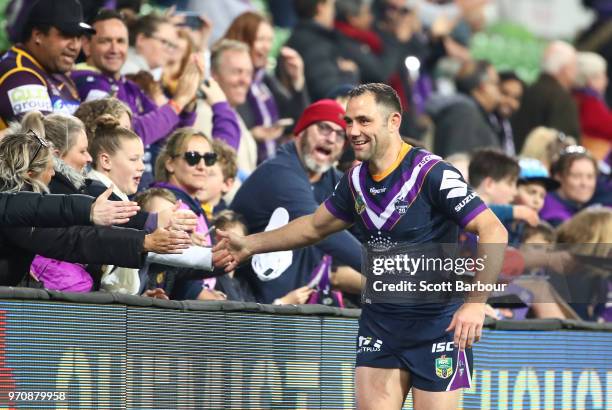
(467, 323)
(231, 250)
(107, 212)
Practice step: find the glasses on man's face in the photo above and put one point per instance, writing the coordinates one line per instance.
(193, 158)
(326, 130)
(166, 43)
(41, 143)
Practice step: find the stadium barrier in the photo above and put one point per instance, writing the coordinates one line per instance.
(104, 350)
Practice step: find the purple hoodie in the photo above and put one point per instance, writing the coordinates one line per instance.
(557, 210)
(150, 122)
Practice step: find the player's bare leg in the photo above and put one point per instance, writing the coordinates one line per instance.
(428, 400)
(377, 388)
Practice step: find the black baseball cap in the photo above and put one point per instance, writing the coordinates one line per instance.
(65, 15)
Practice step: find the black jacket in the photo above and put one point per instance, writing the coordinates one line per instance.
(33, 209)
(97, 188)
(545, 103)
(82, 244)
(320, 49)
(461, 125)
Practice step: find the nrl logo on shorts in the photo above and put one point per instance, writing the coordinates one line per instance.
(444, 367)
(401, 206)
(359, 205)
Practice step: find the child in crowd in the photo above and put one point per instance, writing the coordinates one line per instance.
(219, 179)
(234, 288)
(494, 176)
(159, 275)
(533, 184)
(541, 234)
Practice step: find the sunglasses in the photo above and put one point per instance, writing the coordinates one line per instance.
(327, 130)
(193, 158)
(41, 143)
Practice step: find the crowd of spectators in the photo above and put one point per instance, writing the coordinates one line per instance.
(160, 128)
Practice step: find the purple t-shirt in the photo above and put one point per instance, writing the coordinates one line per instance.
(26, 86)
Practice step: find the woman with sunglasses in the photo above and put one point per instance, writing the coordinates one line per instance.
(576, 170)
(118, 155)
(26, 164)
(181, 167)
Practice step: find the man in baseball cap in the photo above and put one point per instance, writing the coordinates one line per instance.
(299, 179)
(33, 71)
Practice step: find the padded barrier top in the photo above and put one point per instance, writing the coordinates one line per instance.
(101, 298)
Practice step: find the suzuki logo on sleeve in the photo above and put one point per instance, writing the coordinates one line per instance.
(452, 180)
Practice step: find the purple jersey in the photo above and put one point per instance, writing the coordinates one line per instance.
(151, 122)
(25, 86)
(420, 200)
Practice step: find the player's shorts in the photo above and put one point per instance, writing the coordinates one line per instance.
(422, 347)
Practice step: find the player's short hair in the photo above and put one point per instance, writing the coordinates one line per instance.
(492, 163)
(383, 95)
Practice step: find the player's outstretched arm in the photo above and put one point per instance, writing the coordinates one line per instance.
(233, 249)
(492, 238)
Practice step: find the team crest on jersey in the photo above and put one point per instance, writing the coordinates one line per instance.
(444, 367)
(401, 206)
(359, 205)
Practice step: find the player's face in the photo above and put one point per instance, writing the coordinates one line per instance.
(59, 51)
(366, 127)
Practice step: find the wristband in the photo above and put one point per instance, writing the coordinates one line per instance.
(175, 106)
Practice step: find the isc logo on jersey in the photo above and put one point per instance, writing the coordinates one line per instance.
(29, 97)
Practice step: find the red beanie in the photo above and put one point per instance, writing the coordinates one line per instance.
(322, 110)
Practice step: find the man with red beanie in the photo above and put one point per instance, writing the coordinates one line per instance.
(298, 179)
